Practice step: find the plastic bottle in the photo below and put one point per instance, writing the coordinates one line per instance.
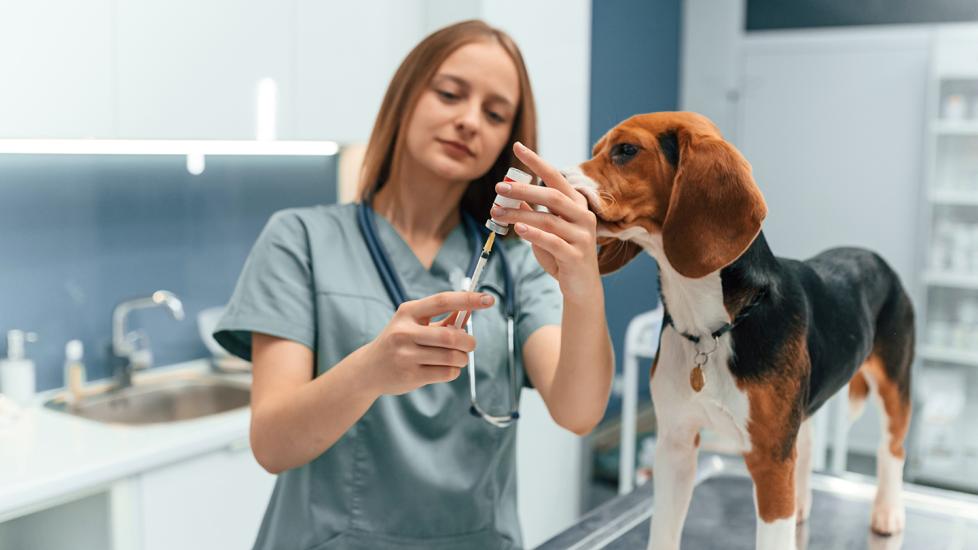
(74, 370)
(17, 371)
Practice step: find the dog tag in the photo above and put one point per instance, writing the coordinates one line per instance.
(696, 379)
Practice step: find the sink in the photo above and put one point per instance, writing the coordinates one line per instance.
(165, 401)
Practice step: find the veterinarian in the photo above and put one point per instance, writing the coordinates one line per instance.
(357, 399)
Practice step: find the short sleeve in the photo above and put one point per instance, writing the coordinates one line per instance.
(274, 294)
(539, 300)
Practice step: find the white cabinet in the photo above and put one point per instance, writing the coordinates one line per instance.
(56, 75)
(190, 70)
(212, 501)
(947, 384)
(138, 69)
(346, 54)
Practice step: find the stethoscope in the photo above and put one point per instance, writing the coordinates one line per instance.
(395, 290)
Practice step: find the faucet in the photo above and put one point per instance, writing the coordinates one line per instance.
(127, 352)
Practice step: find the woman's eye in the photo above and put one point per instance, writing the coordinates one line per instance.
(623, 152)
(447, 95)
(496, 117)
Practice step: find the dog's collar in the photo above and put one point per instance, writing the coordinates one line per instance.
(727, 327)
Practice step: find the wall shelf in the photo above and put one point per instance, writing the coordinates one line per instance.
(955, 128)
(949, 355)
(950, 279)
(954, 197)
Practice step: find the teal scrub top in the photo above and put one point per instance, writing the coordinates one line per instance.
(417, 470)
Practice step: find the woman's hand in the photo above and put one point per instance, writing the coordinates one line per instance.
(412, 352)
(564, 240)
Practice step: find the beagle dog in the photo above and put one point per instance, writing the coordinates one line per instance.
(752, 344)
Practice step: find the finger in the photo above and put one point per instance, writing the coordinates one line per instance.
(433, 374)
(541, 220)
(543, 169)
(554, 200)
(446, 337)
(445, 302)
(557, 247)
(431, 356)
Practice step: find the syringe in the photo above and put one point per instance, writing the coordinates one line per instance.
(476, 275)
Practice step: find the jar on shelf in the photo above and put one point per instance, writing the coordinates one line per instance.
(954, 108)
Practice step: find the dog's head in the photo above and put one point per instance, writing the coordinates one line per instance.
(671, 176)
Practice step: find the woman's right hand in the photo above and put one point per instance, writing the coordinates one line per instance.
(412, 352)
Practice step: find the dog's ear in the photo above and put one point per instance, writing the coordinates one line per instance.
(614, 254)
(715, 208)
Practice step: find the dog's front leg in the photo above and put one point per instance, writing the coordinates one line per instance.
(774, 498)
(673, 475)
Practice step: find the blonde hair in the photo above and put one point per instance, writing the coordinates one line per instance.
(386, 144)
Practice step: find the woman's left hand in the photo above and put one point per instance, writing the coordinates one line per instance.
(564, 239)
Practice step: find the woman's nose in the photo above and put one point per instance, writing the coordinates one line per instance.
(468, 120)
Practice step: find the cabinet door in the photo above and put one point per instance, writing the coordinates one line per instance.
(346, 54)
(56, 69)
(190, 70)
(213, 501)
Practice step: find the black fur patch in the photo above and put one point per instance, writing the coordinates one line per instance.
(669, 143)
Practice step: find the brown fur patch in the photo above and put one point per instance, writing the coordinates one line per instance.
(734, 302)
(896, 405)
(775, 417)
(775, 485)
(858, 387)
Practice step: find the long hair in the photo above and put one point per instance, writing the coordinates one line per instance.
(386, 145)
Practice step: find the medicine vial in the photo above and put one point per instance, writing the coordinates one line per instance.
(513, 175)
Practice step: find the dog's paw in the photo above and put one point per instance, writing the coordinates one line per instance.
(888, 518)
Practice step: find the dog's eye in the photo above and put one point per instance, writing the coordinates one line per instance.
(623, 152)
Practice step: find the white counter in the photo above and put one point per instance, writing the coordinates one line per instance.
(48, 457)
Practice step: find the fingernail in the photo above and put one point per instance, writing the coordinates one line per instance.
(521, 228)
(486, 300)
(503, 187)
(497, 211)
(521, 146)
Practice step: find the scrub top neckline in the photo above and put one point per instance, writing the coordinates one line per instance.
(452, 255)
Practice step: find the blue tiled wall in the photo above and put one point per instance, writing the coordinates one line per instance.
(79, 234)
(634, 69)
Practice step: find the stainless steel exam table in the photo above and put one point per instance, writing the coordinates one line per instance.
(722, 516)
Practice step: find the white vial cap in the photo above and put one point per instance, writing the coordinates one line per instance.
(515, 174)
(74, 350)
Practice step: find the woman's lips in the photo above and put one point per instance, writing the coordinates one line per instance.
(456, 147)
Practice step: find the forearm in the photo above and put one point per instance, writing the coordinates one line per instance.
(582, 381)
(292, 429)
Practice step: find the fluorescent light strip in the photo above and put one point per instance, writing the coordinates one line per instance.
(165, 147)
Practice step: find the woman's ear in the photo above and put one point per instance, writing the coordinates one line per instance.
(614, 254)
(715, 209)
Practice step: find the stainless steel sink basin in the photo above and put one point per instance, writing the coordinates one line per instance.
(167, 401)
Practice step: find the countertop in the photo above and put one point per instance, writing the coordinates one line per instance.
(48, 457)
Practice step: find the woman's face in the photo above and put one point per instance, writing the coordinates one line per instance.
(464, 116)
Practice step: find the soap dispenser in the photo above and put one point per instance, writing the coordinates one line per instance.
(17, 371)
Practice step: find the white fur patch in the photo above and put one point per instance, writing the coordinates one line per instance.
(777, 535)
